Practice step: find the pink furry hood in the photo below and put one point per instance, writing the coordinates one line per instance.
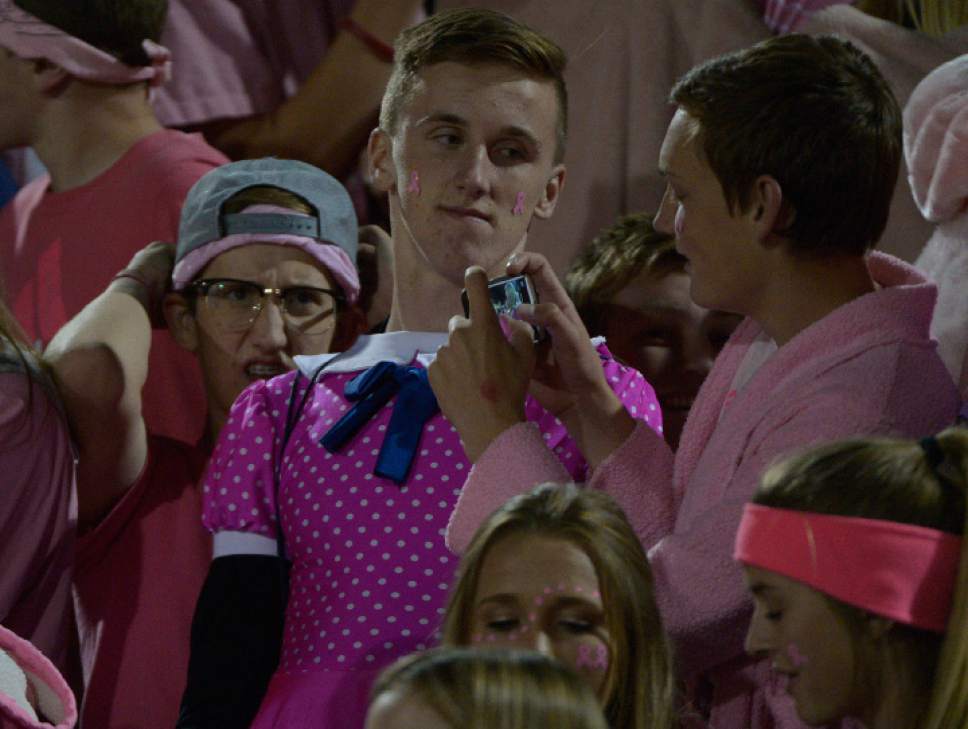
(936, 141)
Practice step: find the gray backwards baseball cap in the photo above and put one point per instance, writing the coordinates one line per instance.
(333, 230)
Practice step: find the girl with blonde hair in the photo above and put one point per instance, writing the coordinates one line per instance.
(855, 556)
(464, 688)
(560, 570)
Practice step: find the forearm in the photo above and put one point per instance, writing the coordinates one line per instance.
(100, 362)
(330, 117)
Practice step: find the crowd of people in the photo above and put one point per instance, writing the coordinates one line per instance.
(268, 465)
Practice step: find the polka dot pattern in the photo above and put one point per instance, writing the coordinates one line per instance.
(371, 572)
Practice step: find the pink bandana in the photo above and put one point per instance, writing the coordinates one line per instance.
(334, 258)
(30, 38)
(901, 571)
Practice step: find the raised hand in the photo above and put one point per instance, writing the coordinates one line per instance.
(481, 376)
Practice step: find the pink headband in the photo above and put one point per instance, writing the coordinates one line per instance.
(29, 38)
(334, 258)
(901, 571)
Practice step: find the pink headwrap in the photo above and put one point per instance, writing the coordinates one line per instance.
(334, 258)
(901, 571)
(936, 141)
(30, 38)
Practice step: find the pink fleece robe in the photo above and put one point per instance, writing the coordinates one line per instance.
(936, 150)
(869, 367)
(28, 672)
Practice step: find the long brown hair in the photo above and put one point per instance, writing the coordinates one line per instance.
(639, 685)
(902, 481)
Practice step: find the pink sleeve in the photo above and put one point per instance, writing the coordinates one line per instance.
(638, 475)
(786, 16)
(56, 702)
(239, 487)
(519, 459)
(516, 461)
(699, 588)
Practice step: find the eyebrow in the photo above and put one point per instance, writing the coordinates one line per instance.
(459, 121)
(759, 589)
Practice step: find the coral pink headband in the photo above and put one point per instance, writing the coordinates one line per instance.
(30, 38)
(901, 571)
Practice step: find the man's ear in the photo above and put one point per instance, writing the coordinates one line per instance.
(549, 197)
(379, 152)
(768, 211)
(181, 321)
(49, 78)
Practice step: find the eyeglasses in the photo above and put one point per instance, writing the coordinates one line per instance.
(235, 305)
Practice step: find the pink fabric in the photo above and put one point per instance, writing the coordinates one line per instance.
(137, 579)
(330, 255)
(57, 708)
(30, 38)
(786, 16)
(371, 572)
(901, 571)
(38, 516)
(936, 149)
(867, 368)
(60, 249)
(236, 58)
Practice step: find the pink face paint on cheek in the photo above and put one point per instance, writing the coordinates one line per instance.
(797, 659)
(590, 658)
(678, 224)
(414, 185)
(518, 205)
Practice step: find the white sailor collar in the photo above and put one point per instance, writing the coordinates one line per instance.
(398, 347)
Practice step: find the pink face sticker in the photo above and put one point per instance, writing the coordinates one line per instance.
(677, 226)
(414, 185)
(797, 659)
(593, 658)
(518, 205)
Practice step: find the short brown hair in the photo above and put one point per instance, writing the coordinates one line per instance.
(475, 36)
(613, 259)
(117, 27)
(639, 686)
(815, 114)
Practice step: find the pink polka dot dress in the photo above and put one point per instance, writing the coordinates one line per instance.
(370, 570)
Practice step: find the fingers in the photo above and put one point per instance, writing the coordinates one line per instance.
(566, 337)
(480, 310)
(545, 280)
(521, 338)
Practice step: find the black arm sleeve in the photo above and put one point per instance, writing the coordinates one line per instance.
(236, 641)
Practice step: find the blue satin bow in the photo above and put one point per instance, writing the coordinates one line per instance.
(415, 405)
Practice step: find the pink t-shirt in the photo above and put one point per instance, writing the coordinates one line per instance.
(60, 249)
(236, 58)
(137, 578)
(371, 573)
(38, 516)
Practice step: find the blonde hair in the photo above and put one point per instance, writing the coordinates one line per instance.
(613, 259)
(933, 17)
(897, 480)
(481, 689)
(267, 195)
(639, 686)
(474, 36)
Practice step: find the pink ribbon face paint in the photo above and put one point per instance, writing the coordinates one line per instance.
(678, 224)
(518, 205)
(414, 184)
(592, 658)
(797, 659)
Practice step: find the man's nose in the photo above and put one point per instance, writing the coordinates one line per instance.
(665, 216)
(268, 330)
(474, 176)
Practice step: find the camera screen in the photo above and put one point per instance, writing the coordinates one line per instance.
(507, 295)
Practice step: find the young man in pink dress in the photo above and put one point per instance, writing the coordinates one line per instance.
(314, 466)
(780, 161)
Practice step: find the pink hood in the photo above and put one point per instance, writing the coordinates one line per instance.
(936, 141)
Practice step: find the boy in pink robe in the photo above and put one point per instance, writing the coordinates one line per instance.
(776, 198)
